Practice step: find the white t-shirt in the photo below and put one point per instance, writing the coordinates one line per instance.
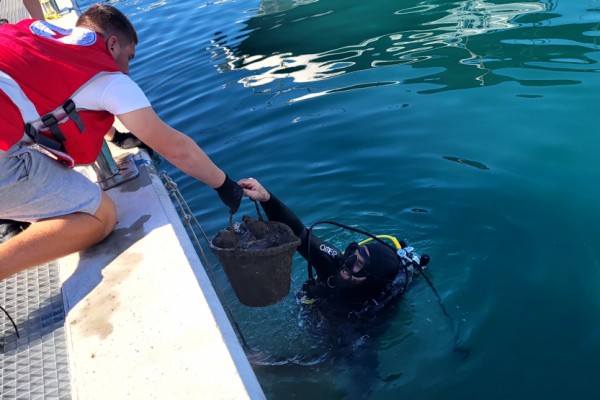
(115, 93)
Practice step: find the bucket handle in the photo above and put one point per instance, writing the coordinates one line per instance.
(258, 211)
(231, 228)
(260, 217)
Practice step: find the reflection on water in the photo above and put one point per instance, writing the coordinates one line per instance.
(477, 17)
(278, 45)
(274, 6)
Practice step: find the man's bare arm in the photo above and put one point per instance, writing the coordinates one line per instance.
(176, 147)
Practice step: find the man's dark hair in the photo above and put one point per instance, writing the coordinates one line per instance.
(108, 21)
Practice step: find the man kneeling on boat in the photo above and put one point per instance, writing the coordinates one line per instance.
(59, 93)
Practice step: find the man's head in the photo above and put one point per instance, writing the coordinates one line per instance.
(116, 30)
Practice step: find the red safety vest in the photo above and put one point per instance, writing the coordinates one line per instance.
(41, 68)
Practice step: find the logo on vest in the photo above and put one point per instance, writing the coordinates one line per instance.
(47, 30)
(81, 37)
(76, 36)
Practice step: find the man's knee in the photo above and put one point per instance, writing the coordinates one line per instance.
(107, 215)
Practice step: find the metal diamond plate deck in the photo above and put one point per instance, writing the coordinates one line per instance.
(35, 365)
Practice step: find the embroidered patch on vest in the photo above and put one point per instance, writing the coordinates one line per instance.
(46, 29)
(77, 36)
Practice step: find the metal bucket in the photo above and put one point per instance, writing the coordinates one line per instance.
(260, 277)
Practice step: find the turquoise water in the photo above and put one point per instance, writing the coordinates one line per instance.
(466, 128)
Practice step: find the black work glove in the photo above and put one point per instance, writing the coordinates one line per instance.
(230, 194)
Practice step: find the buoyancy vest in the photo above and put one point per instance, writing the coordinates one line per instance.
(41, 67)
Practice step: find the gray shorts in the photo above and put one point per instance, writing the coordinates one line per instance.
(33, 186)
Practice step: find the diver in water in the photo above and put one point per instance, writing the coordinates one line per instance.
(357, 282)
(346, 306)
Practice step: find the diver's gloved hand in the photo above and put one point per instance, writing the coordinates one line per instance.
(230, 194)
(320, 290)
(310, 282)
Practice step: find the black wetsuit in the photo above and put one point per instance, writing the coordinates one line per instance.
(326, 259)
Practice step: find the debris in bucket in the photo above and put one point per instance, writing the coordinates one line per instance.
(252, 234)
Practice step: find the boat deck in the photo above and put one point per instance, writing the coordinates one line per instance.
(35, 365)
